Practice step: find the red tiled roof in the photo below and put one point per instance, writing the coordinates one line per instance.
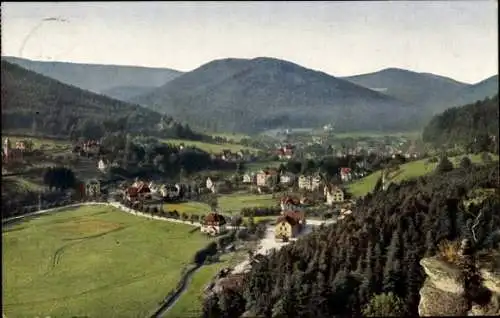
(215, 218)
(289, 200)
(292, 217)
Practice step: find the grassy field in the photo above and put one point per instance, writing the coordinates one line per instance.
(42, 143)
(190, 303)
(191, 207)
(208, 147)
(93, 262)
(257, 166)
(407, 171)
(231, 136)
(233, 203)
(228, 204)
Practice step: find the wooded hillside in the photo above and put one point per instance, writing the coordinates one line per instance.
(44, 106)
(473, 127)
(336, 270)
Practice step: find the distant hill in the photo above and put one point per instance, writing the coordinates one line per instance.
(473, 126)
(111, 80)
(263, 93)
(34, 102)
(125, 93)
(429, 92)
(477, 92)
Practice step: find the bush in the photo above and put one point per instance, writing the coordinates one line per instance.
(465, 163)
(260, 211)
(201, 255)
(384, 305)
(432, 160)
(444, 165)
(449, 251)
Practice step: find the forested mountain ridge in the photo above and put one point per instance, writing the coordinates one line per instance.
(476, 92)
(473, 127)
(428, 92)
(35, 102)
(336, 270)
(99, 78)
(264, 93)
(420, 89)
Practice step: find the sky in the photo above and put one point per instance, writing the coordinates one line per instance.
(458, 39)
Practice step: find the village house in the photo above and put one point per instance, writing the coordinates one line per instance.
(288, 203)
(267, 178)
(103, 165)
(229, 156)
(92, 188)
(215, 184)
(333, 194)
(168, 192)
(289, 225)
(138, 191)
(213, 224)
(287, 178)
(10, 154)
(91, 147)
(249, 178)
(345, 174)
(309, 183)
(285, 152)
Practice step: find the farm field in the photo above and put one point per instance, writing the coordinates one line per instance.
(190, 303)
(257, 166)
(208, 147)
(407, 171)
(190, 207)
(94, 262)
(228, 204)
(233, 203)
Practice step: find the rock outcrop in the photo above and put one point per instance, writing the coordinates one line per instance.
(444, 294)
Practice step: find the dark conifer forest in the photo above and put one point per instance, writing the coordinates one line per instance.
(338, 269)
(473, 127)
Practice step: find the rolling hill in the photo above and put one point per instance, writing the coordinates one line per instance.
(249, 95)
(31, 101)
(112, 80)
(429, 92)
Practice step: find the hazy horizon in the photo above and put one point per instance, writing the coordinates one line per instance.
(454, 39)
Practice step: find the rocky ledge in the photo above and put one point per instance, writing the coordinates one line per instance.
(443, 292)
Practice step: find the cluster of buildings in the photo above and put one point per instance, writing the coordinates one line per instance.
(141, 190)
(88, 147)
(285, 152)
(14, 153)
(313, 182)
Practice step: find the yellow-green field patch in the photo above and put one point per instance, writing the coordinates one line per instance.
(233, 203)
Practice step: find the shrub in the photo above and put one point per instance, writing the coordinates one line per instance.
(384, 305)
(444, 165)
(465, 163)
(449, 251)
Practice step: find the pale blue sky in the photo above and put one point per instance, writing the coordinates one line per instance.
(452, 38)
